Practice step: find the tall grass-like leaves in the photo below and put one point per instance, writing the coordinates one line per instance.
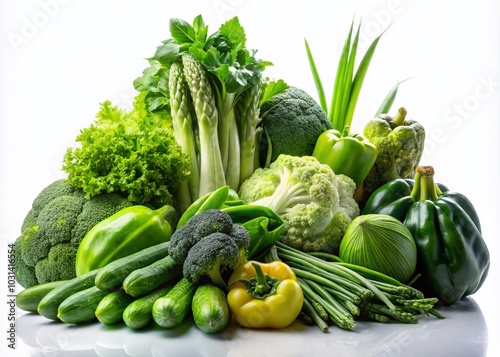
(317, 78)
(386, 104)
(348, 81)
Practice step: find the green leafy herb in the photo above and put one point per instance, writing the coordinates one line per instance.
(133, 153)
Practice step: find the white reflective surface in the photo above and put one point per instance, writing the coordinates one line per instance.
(462, 333)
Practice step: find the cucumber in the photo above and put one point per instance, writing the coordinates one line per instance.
(29, 298)
(143, 281)
(81, 306)
(111, 307)
(139, 313)
(170, 310)
(111, 276)
(210, 309)
(50, 303)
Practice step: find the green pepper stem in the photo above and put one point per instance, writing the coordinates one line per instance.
(261, 286)
(169, 214)
(400, 117)
(425, 188)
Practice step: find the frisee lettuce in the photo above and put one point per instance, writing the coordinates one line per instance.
(130, 152)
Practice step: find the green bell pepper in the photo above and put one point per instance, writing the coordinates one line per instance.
(400, 142)
(453, 258)
(350, 154)
(126, 232)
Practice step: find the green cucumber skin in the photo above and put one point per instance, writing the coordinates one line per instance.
(81, 306)
(111, 307)
(170, 310)
(210, 309)
(111, 276)
(138, 314)
(144, 280)
(50, 303)
(29, 298)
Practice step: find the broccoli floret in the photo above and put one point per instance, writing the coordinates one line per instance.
(315, 204)
(198, 227)
(61, 256)
(58, 218)
(211, 255)
(242, 239)
(25, 274)
(53, 228)
(292, 121)
(56, 189)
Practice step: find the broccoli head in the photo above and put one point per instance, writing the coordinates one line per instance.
(315, 204)
(53, 228)
(196, 228)
(210, 256)
(292, 122)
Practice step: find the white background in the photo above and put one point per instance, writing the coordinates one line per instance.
(60, 59)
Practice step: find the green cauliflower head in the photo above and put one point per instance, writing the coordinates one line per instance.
(315, 204)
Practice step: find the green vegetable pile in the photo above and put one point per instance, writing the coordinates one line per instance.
(169, 207)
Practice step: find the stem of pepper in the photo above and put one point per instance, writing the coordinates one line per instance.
(261, 285)
(424, 178)
(400, 117)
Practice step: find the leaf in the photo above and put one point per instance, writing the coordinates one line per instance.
(181, 31)
(168, 52)
(271, 89)
(234, 32)
(339, 85)
(200, 29)
(316, 77)
(359, 78)
(386, 104)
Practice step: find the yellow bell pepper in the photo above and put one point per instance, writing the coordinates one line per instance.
(264, 295)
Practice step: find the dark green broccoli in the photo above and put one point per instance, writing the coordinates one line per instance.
(63, 257)
(211, 256)
(198, 227)
(52, 230)
(292, 121)
(242, 239)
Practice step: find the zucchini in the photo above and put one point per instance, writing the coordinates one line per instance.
(139, 313)
(81, 306)
(210, 309)
(142, 281)
(111, 276)
(50, 303)
(170, 310)
(111, 307)
(29, 298)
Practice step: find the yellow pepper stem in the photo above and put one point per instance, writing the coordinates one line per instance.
(262, 285)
